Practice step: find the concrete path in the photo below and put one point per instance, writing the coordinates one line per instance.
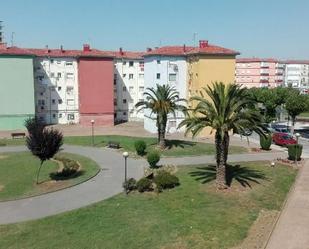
(292, 229)
(106, 183)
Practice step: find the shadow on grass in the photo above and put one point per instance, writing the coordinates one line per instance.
(243, 175)
(59, 176)
(170, 144)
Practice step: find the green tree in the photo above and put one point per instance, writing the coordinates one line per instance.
(162, 101)
(296, 103)
(42, 142)
(224, 109)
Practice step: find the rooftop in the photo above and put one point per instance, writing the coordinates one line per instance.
(254, 59)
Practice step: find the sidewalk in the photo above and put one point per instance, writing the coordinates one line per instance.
(292, 229)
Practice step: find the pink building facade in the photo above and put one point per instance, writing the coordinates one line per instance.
(96, 90)
(255, 72)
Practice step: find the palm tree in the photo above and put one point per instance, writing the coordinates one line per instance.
(224, 109)
(162, 101)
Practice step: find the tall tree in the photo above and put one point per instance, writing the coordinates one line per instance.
(225, 108)
(296, 103)
(43, 143)
(162, 101)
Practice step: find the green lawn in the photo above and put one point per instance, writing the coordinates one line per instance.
(191, 216)
(18, 175)
(304, 115)
(174, 147)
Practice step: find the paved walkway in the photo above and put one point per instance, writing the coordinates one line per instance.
(104, 185)
(292, 229)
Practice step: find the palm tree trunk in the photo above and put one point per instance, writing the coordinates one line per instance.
(161, 131)
(221, 163)
(38, 173)
(226, 142)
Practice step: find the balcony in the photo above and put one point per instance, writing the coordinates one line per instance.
(264, 81)
(264, 65)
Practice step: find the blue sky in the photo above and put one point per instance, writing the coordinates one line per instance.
(261, 28)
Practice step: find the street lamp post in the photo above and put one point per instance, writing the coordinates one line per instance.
(296, 156)
(92, 131)
(125, 156)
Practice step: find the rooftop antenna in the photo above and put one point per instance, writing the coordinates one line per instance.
(194, 38)
(1, 32)
(12, 39)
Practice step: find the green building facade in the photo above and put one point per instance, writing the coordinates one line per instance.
(16, 91)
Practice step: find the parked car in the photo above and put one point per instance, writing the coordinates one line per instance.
(283, 139)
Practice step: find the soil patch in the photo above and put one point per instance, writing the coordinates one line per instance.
(260, 230)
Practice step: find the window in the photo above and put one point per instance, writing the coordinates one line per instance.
(124, 101)
(124, 75)
(158, 62)
(53, 101)
(41, 102)
(115, 101)
(124, 63)
(70, 76)
(141, 89)
(70, 102)
(52, 75)
(54, 115)
(124, 89)
(59, 101)
(141, 64)
(124, 113)
(60, 115)
(59, 88)
(158, 76)
(131, 101)
(115, 82)
(141, 76)
(131, 63)
(59, 75)
(52, 61)
(41, 93)
(69, 63)
(70, 90)
(71, 116)
(131, 89)
(172, 124)
(58, 62)
(172, 77)
(131, 76)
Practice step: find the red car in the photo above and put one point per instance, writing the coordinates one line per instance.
(283, 139)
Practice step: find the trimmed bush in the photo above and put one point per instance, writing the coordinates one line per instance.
(130, 184)
(144, 184)
(70, 167)
(265, 142)
(153, 158)
(295, 151)
(165, 180)
(140, 147)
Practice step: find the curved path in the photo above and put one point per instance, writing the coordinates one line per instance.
(106, 183)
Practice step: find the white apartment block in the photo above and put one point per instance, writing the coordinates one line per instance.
(128, 85)
(297, 74)
(165, 69)
(56, 89)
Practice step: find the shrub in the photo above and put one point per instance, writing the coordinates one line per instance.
(165, 180)
(295, 151)
(2, 142)
(130, 184)
(265, 142)
(70, 167)
(153, 158)
(140, 147)
(144, 184)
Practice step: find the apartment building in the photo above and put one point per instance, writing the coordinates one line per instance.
(17, 89)
(56, 86)
(257, 72)
(128, 85)
(188, 69)
(297, 74)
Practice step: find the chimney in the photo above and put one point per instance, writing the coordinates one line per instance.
(203, 43)
(86, 48)
(184, 47)
(120, 51)
(61, 48)
(149, 49)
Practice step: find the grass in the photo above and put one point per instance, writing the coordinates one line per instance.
(304, 115)
(192, 215)
(174, 147)
(18, 175)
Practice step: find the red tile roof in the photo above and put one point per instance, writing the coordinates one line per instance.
(15, 51)
(69, 53)
(296, 62)
(247, 60)
(189, 50)
(127, 54)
